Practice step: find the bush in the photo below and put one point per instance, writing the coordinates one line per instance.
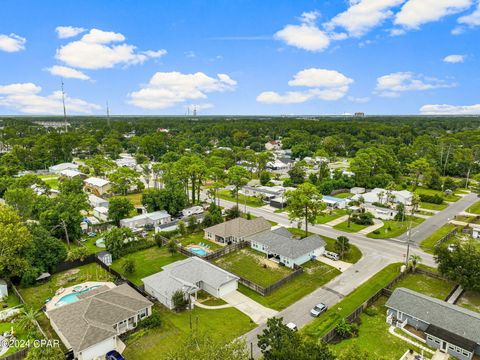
(168, 234)
(346, 330)
(29, 276)
(364, 218)
(180, 303)
(153, 321)
(431, 199)
(79, 253)
(134, 246)
(128, 266)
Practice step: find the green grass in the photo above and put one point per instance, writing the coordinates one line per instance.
(315, 275)
(437, 288)
(451, 198)
(464, 218)
(343, 226)
(249, 264)
(135, 198)
(429, 243)
(470, 300)
(225, 324)
(250, 200)
(20, 335)
(51, 180)
(373, 335)
(392, 228)
(344, 195)
(195, 239)
(320, 326)
(329, 216)
(428, 206)
(147, 262)
(11, 300)
(475, 208)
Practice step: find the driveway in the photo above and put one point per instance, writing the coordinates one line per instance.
(255, 311)
(339, 264)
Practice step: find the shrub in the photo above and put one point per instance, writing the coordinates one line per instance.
(128, 266)
(29, 276)
(345, 329)
(431, 199)
(79, 253)
(180, 303)
(153, 321)
(364, 218)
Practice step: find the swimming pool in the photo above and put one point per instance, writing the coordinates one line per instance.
(198, 251)
(71, 298)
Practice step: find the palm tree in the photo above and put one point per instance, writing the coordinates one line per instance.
(28, 318)
(415, 260)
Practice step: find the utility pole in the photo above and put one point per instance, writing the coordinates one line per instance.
(64, 108)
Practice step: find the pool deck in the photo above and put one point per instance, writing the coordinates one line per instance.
(71, 290)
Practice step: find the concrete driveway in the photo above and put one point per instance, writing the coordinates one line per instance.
(255, 311)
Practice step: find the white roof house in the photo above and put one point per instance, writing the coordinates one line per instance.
(154, 218)
(380, 195)
(189, 275)
(68, 173)
(96, 201)
(101, 213)
(56, 169)
(97, 186)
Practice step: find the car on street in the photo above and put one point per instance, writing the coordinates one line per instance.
(292, 326)
(318, 309)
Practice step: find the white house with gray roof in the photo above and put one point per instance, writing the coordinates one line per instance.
(236, 230)
(450, 328)
(279, 245)
(154, 219)
(91, 326)
(189, 276)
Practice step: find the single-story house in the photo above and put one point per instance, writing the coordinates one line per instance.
(279, 245)
(278, 165)
(101, 213)
(97, 186)
(70, 174)
(126, 161)
(3, 289)
(385, 196)
(57, 169)
(154, 219)
(357, 190)
(450, 328)
(96, 201)
(194, 210)
(236, 230)
(334, 202)
(273, 145)
(92, 325)
(278, 202)
(189, 276)
(381, 212)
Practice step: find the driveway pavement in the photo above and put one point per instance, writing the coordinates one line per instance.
(255, 311)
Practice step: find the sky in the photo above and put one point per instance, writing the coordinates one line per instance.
(240, 57)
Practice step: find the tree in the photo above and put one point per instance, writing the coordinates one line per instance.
(297, 173)
(45, 251)
(99, 165)
(45, 352)
(232, 213)
(192, 224)
(73, 185)
(418, 169)
(124, 179)
(78, 253)
(28, 319)
(180, 301)
(119, 208)
(345, 329)
(115, 240)
(182, 229)
(15, 240)
(342, 245)
(304, 203)
(172, 247)
(172, 198)
(415, 260)
(278, 342)
(265, 177)
(238, 176)
(374, 167)
(22, 200)
(128, 266)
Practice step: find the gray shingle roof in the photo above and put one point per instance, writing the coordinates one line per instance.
(91, 319)
(281, 242)
(453, 318)
(240, 227)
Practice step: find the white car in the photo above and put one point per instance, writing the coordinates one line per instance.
(331, 255)
(318, 309)
(292, 326)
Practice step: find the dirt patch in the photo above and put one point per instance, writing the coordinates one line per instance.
(66, 276)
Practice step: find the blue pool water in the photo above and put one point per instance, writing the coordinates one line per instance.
(71, 298)
(199, 252)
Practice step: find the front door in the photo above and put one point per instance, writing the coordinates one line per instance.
(444, 346)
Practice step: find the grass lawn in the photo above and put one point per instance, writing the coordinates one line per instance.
(10, 301)
(392, 228)
(51, 180)
(428, 206)
(250, 200)
(320, 326)
(373, 335)
(344, 195)
(428, 244)
(464, 218)
(195, 239)
(329, 216)
(135, 199)
(451, 198)
(352, 228)
(475, 208)
(20, 334)
(226, 324)
(147, 262)
(314, 276)
(427, 285)
(470, 300)
(250, 264)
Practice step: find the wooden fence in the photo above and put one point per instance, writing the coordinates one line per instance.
(19, 355)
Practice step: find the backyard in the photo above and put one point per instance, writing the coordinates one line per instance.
(314, 276)
(51, 180)
(195, 239)
(428, 285)
(227, 324)
(429, 243)
(147, 262)
(470, 300)
(393, 228)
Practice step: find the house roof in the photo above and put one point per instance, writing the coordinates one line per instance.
(90, 320)
(240, 227)
(96, 181)
(63, 166)
(186, 274)
(452, 318)
(450, 337)
(157, 215)
(96, 199)
(70, 173)
(282, 242)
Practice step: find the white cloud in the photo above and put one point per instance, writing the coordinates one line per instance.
(359, 100)
(12, 43)
(64, 32)
(393, 84)
(26, 98)
(306, 36)
(323, 84)
(453, 59)
(473, 19)
(102, 49)
(67, 72)
(167, 89)
(190, 54)
(363, 15)
(397, 32)
(415, 13)
(444, 109)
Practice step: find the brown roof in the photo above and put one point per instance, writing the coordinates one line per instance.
(240, 227)
(91, 319)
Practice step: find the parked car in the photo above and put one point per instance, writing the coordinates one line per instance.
(318, 309)
(92, 234)
(114, 355)
(292, 326)
(331, 255)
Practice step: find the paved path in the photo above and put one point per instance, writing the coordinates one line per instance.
(340, 265)
(460, 223)
(212, 307)
(456, 294)
(377, 224)
(255, 311)
(391, 330)
(337, 221)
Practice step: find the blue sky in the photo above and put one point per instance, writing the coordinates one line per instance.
(241, 57)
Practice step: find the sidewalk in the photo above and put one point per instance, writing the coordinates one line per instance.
(337, 221)
(391, 330)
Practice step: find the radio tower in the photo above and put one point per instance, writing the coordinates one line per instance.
(108, 116)
(64, 109)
